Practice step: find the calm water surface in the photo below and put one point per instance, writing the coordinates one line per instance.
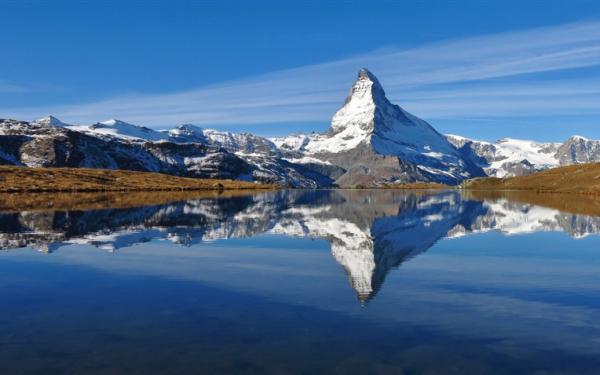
(307, 282)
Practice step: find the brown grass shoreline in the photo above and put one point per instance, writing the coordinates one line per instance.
(83, 201)
(579, 204)
(583, 179)
(419, 186)
(41, 180)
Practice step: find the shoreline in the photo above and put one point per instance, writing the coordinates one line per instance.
(87, 180)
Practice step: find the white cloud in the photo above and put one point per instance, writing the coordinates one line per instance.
(455, 78)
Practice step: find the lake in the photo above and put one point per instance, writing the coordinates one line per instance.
(302, 282)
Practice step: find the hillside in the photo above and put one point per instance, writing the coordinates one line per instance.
(582, 179)
(22, 179)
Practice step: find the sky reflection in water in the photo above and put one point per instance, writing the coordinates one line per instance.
(302, 281)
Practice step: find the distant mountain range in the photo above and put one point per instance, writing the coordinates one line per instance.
(514, 157)
(371, 142)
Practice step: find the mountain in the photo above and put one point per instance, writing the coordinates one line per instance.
(507, 157)
(39, 144)
(376, 142)
(50, 121)
(370, 142)
(240, 143)
(577, 150)
(260, 153)
(116, 144)
(514, 157)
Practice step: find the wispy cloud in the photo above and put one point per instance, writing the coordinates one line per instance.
(7, 87)
(479, 76)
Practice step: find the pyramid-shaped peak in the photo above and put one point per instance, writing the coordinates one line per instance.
(365, 73)
(366, 87)
(365, 97)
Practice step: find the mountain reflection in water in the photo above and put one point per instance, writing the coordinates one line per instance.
(369, 233)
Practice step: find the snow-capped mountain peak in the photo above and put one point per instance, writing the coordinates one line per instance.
(368, 117)
(368, 127)
(359, 107)
(579, 138)
(50, 121)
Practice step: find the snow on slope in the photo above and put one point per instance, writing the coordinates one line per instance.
(515, 150)
(509, 157)
(307, 160)
(120, 129)
(187, 133)
(368, 116)
(50, 121)
(294, 142)
(243, 143)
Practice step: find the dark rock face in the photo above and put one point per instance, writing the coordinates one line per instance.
(522, 168)
(46, 146)
(364, 167)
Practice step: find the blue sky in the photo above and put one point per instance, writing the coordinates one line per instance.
(484, 69)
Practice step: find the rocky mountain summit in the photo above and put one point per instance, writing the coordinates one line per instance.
(370, 142)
